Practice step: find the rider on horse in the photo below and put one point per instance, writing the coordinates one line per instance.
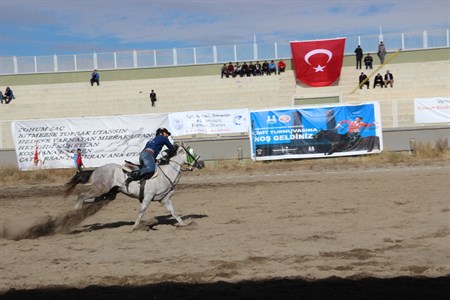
(147, 158)
(353, 131)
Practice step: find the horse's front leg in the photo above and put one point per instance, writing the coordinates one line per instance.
(144, 206)
(167, 201)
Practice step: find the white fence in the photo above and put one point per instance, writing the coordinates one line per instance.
(207, 55)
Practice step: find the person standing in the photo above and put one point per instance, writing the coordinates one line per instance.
(95, 78)
(359, 55)
(381, 52)
(153, 98)
(148, 155)
(78, 160)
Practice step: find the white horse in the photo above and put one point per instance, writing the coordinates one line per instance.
(108, 180)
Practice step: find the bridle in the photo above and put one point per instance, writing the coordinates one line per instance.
(188, 150)
(182, 169)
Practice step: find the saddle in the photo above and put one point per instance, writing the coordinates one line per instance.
(129, 167)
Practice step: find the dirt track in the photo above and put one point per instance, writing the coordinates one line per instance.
(244, 226)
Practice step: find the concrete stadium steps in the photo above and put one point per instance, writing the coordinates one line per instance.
(175, 94)
(424, 79)
(413, 80)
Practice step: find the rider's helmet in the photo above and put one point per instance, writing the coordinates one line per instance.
(162, 130)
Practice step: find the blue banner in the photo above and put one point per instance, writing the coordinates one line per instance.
(335, 130)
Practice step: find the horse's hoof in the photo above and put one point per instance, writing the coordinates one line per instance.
(187, 226)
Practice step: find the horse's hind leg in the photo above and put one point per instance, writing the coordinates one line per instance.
(83, 197)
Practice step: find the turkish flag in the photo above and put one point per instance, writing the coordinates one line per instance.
(318, 63)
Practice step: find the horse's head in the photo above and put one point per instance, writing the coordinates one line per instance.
(191, 158)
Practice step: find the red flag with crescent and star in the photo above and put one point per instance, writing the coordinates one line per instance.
(318, 63)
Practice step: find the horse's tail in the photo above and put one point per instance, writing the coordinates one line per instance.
(80, 177)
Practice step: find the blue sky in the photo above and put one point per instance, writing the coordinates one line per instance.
(45, 27)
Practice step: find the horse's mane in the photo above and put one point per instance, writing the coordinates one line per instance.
(169, 153)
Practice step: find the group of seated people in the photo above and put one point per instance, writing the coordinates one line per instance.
(378, 80)
(252, 69)
(8, 96)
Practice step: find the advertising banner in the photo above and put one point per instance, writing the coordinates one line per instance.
(52, 143)
(432, 110)
(332, 130)
(209, 122)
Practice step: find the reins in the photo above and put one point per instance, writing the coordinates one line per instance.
(177, 178)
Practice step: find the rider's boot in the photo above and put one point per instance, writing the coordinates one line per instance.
(133, 176)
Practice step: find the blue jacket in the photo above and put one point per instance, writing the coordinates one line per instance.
(157, 143)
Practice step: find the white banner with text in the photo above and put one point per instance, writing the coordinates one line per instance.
(432, 110)
(209, 122)
(52, 143)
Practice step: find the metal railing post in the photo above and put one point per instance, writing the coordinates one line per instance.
(175, 59)
(425, 39)
(276, 50)
(215, 54)
(235, 53)
(95, 60)
(403, 41)
(154, 58)
(135, 63)
(35, 65)
(55, 63)
(195, 56)
(15, 65)
(448, 39)
(75, 62)
(115, 60)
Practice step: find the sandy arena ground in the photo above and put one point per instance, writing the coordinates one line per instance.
(258, 225)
